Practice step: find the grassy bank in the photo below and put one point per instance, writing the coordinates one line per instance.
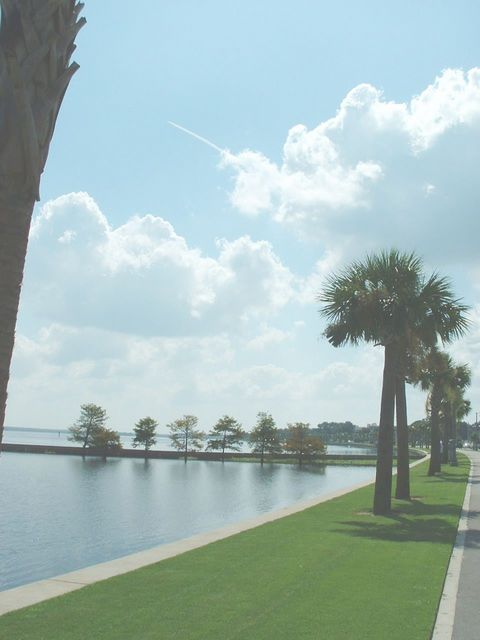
(333, 571)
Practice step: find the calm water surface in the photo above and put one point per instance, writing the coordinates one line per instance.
(61, 513)
(60, 438)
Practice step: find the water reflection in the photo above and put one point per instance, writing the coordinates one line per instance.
(59, 513)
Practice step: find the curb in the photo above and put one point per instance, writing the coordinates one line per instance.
(443, 629)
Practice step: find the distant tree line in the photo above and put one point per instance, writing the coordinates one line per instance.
(266, 440)
(226, 435)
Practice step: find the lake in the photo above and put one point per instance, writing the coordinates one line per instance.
(60, 438)
(61, 513)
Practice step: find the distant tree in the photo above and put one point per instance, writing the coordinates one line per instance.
(301, 442)
(265, 437)
(336, 432)
(368, 434)
(420, 433)
(226, 434)
(107, 440)
(475, 440)
(145, 435)
(92, 419)
(184, 436)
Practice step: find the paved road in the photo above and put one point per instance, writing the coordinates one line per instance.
(467, 611)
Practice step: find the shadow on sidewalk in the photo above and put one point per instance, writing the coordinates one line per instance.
(472, 539)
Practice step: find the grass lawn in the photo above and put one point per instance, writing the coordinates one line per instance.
(331, 572)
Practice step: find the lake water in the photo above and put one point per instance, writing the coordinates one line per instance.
(60, 438)
(61, 513)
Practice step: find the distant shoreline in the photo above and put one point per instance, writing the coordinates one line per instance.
(173, 455)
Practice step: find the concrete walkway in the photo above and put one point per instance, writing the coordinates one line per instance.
(467, 611)
(459, 612)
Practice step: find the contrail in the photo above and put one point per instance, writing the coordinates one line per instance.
(195, 135)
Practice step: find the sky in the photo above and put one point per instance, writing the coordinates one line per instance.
(166, 276)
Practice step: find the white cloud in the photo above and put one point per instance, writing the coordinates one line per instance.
(137, 319)
(268, 337)
(142, 277)
(310, 286)
(62, 367)
(378, 173)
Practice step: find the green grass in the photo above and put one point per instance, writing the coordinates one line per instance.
(333, 571)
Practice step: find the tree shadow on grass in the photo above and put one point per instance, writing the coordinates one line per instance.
(444, 477)
(401, 529)
(409, 522)
(418, 508)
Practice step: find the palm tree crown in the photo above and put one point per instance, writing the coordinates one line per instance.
(386, 299)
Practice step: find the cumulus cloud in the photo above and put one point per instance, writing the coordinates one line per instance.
(377, 172)
(142, 277)
(62, 367)
(268, 337)
(137, 319)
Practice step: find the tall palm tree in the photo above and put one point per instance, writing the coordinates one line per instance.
(462, 409)
(36, 43)
(454, 406)
(386, 300)
(438, 375)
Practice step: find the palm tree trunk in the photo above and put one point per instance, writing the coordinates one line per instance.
(14, 228)
(435, 458)
(36, 42)
(447, 427)
(383, 480)
(402, 491)
(453, 459)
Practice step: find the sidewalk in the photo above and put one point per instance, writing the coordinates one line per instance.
(458, 616)
(467, 611)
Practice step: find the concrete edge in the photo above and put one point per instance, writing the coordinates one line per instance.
(36, 592)
(443, 629)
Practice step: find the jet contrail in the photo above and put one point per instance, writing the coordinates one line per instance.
(195, 135)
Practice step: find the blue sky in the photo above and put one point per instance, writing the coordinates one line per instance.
(208, 306)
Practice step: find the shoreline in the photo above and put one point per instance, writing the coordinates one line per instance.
(179, 455)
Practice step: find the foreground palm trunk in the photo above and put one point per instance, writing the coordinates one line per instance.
(382, 500)
(402, 491)
(36, 43)
(14, 226)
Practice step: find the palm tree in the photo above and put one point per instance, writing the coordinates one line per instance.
(461, 409)
(386, 300)
(453, 406)
(36, 43)
(445, 383)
